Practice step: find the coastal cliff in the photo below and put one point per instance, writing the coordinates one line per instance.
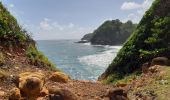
(112, 32)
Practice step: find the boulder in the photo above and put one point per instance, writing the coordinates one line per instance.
(154, 69)
(56, 93)
(117, 94)
(59, 77)
(44, 92)
(31, 83)
(2, 94)
(15, 94)
(145, 67)
(160, 61)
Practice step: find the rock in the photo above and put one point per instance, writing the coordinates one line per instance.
(160, 61)
(44, 92)
(117, 94)
(56, 93)
(31, 83)
(154, 69)
(2, 94)
(59, 77)
(15, 94)
(145, 67)
(121, 84)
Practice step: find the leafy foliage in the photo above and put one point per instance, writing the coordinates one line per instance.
(150, 39)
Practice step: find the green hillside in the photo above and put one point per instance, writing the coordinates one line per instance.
(150, 39)
(111, 32)
(13, 38)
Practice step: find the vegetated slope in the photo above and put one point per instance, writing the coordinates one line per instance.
(14, 39)
(111, 33)
(150, 39)
(151, 86)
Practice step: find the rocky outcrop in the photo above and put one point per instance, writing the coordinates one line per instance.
(56, 93)
(59, 77)
(31, 84)
(87, 37)
(110, 33)
(15, 94)
(117, 94)
(160, 61)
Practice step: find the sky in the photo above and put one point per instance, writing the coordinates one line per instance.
(71, 19)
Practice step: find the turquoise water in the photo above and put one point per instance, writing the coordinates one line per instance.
(80, 61)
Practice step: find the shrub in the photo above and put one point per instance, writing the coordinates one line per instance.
(38, 59)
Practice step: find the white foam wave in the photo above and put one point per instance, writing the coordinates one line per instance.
(88, 43)
(102, 59)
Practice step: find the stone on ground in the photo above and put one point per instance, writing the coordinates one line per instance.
(59, 77)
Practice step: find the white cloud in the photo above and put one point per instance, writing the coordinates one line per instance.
(11, 5)
(130, 6)
(71, 25)
(44, 24)
(58, 26)
(140, 10)
(47, 24)
(59, 31)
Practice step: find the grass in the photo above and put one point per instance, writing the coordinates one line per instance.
(38, 59)
(3, 74)
(2, 58)
(121, 79)
(158, 85)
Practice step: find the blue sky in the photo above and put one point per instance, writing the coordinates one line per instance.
(71, 19)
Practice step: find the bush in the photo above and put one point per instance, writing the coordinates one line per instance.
(38, 59)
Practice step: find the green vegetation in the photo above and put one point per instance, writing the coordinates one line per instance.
(38, 59)
(111, 33)
(150, 39)
(11, 34)
(157, 86)
(3, 74)
(14, 38)
(2, 59)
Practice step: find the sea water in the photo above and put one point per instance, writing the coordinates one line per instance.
(80, 61)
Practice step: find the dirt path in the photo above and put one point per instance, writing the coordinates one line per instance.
(86, 90)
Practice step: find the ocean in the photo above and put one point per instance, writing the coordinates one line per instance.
(80, 60)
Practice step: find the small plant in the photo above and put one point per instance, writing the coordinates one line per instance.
(2, 59)
(3, 74)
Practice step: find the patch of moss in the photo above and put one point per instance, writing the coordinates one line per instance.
(149, 40)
